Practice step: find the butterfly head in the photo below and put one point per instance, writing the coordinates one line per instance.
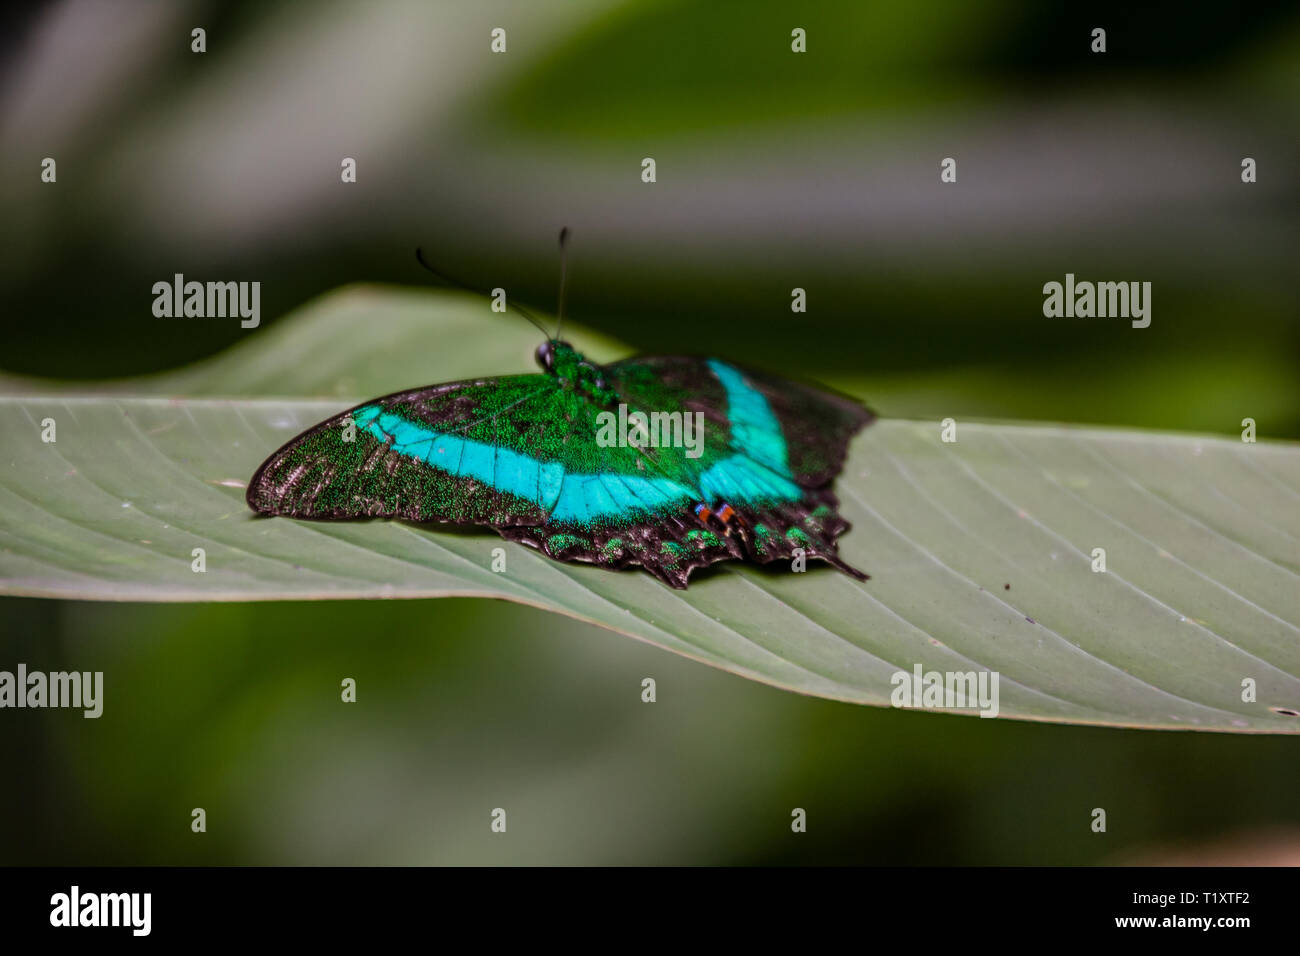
(545, 355)
(559, 358)
(572, 369)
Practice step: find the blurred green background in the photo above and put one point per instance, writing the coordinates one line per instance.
(774, 170)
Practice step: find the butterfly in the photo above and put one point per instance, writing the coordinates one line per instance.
(665, 463)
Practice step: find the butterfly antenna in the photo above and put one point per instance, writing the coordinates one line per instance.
(448, 280)
(564, 275)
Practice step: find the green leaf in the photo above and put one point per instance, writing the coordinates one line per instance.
(980, 550)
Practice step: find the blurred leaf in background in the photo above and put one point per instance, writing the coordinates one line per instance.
(776, 170)
(464, 706)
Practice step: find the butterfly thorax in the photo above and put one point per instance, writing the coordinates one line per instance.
(574, 371)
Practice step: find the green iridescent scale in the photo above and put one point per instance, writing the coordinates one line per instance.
(668, 464)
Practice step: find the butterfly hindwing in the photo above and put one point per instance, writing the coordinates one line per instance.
(672, 544)
(814, 425)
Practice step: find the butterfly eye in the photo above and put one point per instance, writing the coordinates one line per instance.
(545, 355)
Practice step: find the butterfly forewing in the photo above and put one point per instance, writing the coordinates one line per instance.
(457, 453)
